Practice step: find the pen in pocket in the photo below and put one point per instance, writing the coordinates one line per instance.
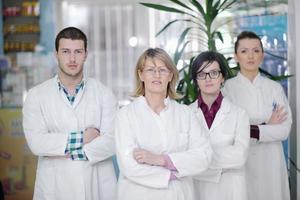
(274, 106)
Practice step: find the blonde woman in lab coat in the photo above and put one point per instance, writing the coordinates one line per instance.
(159, 142)
(270, 119)
(227, 127)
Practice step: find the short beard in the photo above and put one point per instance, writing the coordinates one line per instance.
(79, 73)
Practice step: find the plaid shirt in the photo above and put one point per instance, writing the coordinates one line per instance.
(71, 98)
(74, 146)
(75, 139)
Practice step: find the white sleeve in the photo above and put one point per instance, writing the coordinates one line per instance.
(39, 139)
(235, 155)
(197, 157)
(151, 176)
(103, 147)
(277, 132)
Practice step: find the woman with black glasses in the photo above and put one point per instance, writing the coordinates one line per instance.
(226, 126)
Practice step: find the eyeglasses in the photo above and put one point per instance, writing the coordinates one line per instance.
(214, 74)
(152, 71)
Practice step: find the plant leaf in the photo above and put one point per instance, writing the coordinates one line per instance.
(219, 34)
(276, 56)
(179, 53)
(280, 78)
(198, 7)
(181, 4)
(166, 8)
(174, 21)
(182, 37)
(222, 8)
(217, 4)
(265, 72)
(271, 76)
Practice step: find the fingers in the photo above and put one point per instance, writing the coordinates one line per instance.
(279, 115)
(279, 109)
(92, 130)
(139, 155)
(90, 134)
(282, 117)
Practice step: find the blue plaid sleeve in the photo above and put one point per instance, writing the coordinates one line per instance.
(74, 146)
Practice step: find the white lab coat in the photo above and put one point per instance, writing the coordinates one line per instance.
(266, 171)
(48, 118)
(175, 132)
(229, 137)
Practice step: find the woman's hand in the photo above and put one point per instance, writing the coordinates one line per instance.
(146, 157)
(278, 115)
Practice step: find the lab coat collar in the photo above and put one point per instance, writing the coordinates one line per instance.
(142, 100)
(78, 96)
(220, 116)
(256, 82)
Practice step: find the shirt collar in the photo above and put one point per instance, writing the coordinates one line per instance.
(78, 86)
(216, 103)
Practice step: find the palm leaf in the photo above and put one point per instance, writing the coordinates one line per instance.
(219, 34)
(178, 53)
(276, 56)
(166, 8)
(280, 78)
(181, 4)
(170, 23)
(222, 8)
(217, 4)
(198, 7)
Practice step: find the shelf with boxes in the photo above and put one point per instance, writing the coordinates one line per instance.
(21, 29)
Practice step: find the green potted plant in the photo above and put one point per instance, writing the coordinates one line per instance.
(200, 19)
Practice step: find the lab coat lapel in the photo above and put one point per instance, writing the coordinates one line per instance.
(78, 97)
(221, 114)
(200, 115)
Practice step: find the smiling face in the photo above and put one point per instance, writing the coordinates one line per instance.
(249, 55)
(156, 77)
(209, 79)
(71, 56)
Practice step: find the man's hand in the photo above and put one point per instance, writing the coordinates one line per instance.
(146, 157)
(90, 134)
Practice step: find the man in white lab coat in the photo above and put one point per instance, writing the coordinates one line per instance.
(67, 122)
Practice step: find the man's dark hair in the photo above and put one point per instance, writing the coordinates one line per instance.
(71, 33)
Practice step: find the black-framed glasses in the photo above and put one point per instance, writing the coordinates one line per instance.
(214, 74)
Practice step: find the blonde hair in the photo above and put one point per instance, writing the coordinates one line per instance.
(160, 54)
